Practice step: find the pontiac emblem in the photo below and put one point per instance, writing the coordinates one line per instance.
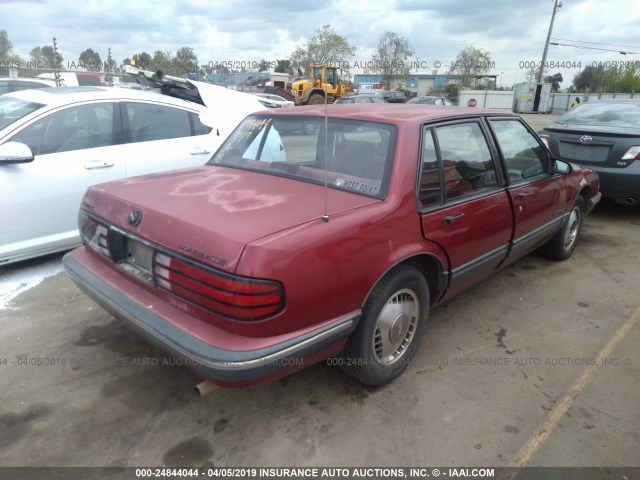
(135, 217)
(585, 139)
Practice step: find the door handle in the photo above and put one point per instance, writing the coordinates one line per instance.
(452, 218)
(199, 151)
(523, 195)
(98, 164)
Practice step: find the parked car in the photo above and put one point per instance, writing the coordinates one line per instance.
(8, 85)
(339, 250)
(431, 100)
(392, 97)
(275, 101)
(76, 79)
(55, 142)
(363, 98)
(605, 136)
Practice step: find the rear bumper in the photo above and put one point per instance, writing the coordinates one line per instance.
(619, 182)
(259, 359)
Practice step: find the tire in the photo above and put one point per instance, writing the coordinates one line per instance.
(392, 325)
(563, 243)
(315, 99)
(308, 129)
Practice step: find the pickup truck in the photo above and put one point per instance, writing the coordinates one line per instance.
(287, 249)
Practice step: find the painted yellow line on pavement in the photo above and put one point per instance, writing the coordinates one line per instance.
(542, 434)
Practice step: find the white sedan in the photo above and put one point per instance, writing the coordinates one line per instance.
(55, 142)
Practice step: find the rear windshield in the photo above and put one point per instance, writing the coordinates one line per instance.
(604, 114)
(358, 154)
(13, 109)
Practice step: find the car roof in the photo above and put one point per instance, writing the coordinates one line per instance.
(57, 96)
(391, 112)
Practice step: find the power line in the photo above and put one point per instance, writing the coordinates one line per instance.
(593, 48)
(594, 43)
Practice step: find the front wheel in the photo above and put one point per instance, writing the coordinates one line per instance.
(393, 321)
(316, 99)
(563, 243)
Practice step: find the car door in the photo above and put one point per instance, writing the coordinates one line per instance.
(73, 148)
(163, 137)
(463, 202)
(537, 193)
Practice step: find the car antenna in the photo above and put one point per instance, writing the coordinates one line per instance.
(325, 216)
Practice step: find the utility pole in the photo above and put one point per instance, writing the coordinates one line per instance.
(56, 71)
(556, 7)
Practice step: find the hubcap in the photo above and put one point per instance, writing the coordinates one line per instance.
(396, 326)
(573, 225)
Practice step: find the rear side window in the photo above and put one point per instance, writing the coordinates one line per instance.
(149, 122)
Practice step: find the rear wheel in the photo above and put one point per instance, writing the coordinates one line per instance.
(563, 243)
(393, 321)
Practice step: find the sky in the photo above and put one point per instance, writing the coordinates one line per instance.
(513, 31)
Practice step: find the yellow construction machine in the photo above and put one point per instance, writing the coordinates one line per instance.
(320, 85)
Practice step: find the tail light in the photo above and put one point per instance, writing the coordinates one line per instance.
(231, 296)
(93, 233)
(545, 140)
(632, 154)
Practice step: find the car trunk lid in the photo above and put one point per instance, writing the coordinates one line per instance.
(210, 213)
(590, 145)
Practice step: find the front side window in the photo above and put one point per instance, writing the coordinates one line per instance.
(73, 128)
(523, 155)
(357, 158)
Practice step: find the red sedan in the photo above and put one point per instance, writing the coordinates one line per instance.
(287, 249)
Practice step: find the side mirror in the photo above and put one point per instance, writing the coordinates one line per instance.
(561, 167)
(15, 152)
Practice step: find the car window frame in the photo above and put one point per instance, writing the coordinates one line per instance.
(547, 173)
(495, 158)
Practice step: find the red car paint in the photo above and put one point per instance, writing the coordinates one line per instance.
(266, 226)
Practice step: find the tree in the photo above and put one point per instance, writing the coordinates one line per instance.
(161, 61)
(264, 66)
(44, 57)
(326, 47)
(142, 60)
(390, 58)
(284, 66)
(469, 63)
(185, 61)
(451, 92)
(623, 78)
(6, 47)
(90, 60)
(590, 79)
(555, 81)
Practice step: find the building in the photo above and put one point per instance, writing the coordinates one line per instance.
(420, 83)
